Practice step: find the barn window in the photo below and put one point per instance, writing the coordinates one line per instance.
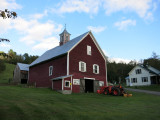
(50, 70)
(67, 83)
(82, 66)
(96, 69)
(89, 50)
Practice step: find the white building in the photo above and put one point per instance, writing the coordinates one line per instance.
(143, 75)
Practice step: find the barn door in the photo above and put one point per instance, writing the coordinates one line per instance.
(82, 85)
(96, 85)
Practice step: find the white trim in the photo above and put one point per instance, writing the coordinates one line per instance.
(69, 83)
(68, 63)
(62, 83)
(94, 68)
(89, 50)
(89, 78)
(50, 72)
(106, 73)
(97, 45)
(80, 67)
(78, 42)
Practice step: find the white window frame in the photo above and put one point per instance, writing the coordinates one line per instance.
(80, 66)
(89, 50)
(50, 70)
(144, 79)
(94, 70)
(69, 83)
(101, 83)
(133, 80)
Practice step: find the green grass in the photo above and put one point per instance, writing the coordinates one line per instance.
(19, 103)
(8, 73)
(151, 87)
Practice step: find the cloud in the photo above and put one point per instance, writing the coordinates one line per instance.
(33, 31)
(119, 60)
(141, 7)
(39, 15)
(47, 44)
(69, 6)
(122, 25)
(9, 4)
(97, 29)
(4, 45)
(5, 24)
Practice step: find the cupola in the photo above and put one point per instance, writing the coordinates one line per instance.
(64, 37)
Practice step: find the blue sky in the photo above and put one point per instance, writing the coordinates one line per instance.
(125, 29)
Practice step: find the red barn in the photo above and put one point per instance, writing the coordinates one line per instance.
(77, 65)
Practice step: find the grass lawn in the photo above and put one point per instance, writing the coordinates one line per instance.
(7, 73)
(19, 103)
(151, 87)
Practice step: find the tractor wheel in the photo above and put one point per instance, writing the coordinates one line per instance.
(105, 92)
(116, 92)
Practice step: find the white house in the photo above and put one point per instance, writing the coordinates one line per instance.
(143, 75)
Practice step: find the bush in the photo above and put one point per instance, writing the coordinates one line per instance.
(2, 66)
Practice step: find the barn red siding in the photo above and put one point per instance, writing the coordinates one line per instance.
(40, 73)
(57, 85)
(67, 79)
(79, 53)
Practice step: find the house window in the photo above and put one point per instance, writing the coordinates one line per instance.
(134, 80)
(82, 66)
(89, 50)
(138, 71)
(96, 69)
(50, 70)
(67, 83)
(144, 79)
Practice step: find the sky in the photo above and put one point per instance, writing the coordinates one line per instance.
(125, 29)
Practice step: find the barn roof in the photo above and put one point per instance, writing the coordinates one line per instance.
(23, 66)
(61, 77)
(59, 50)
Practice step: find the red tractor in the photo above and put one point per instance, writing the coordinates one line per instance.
(113, 90)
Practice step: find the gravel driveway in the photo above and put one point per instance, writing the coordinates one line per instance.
(144, 91)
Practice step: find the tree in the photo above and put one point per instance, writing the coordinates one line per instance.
(6, 14)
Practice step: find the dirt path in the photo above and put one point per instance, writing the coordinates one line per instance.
(144, 91)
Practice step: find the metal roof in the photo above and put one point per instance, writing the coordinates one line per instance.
(23, 66)
(65, 31)
(61, 77)
(59, 50)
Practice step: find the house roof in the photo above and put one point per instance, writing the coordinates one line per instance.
(23, 66)
(59, 50)
(149, 69)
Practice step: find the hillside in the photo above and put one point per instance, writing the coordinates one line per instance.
(21, 103)
(8, 73)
